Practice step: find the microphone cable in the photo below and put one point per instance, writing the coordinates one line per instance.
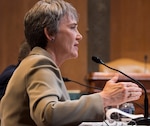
(85, 85)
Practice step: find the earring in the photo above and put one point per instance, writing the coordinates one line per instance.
(52, 39)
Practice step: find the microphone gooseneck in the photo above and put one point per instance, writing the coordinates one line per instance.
(145, 119)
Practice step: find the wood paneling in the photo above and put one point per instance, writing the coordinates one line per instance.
(11, 29)
(130, 29)
(12, 34)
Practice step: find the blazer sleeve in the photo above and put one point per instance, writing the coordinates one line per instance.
(50, 107)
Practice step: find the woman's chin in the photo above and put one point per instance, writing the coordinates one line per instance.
(74, 56)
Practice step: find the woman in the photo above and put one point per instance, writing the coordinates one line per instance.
(36, 93)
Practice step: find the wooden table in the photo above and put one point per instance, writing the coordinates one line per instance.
(99, 79)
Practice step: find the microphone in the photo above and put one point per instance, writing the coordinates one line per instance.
(85, 85)
(139, 121)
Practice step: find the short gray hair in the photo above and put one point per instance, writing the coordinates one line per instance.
(45, 13)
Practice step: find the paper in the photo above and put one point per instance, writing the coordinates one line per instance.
(115, 110)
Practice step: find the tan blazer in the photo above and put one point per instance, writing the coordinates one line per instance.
(36, 96)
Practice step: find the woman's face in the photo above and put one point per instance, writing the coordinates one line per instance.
(67, 39)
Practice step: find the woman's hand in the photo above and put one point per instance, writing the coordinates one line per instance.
(121, 92)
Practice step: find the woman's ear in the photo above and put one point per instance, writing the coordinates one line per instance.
(48, 36)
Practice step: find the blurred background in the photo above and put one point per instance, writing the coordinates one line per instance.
(111, 29)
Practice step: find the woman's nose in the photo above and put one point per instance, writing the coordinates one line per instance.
(79, 36)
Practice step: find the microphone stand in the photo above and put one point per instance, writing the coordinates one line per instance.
(142, 120)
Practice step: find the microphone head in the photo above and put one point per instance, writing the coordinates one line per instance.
(97, 60)
(66, 79)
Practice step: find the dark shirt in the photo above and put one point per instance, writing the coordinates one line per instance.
(5, 77)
